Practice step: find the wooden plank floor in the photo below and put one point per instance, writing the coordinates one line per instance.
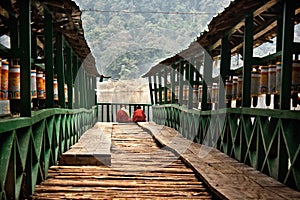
(225, 176)
(139, 169)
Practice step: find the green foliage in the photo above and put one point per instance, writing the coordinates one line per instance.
(125, 44)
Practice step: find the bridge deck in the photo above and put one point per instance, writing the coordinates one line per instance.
(225, 176)
(139, 168)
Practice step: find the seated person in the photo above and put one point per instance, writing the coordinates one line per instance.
(123, 115)
(139, 115)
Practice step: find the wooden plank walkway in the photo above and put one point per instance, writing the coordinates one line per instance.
(228, 178)
(139, 169)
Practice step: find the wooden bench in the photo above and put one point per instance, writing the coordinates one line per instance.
(93, 148)
(226, 177)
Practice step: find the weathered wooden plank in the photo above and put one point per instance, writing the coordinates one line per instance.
(225, 176)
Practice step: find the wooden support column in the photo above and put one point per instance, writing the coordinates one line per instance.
(181, 82)
(59, 64)
(287, 54)
(207, 79)
(94, 88)
(15, 34)
(160, 88)
(81, 85)
(190, 73)
(165, 84)
(247, 57)
(69, 76)
(25, 57)
(151, 89)
(173, 74)
(49, 60)
(33, 46)
(224, 69)
(76, 82)
(155, 88)
(90, 91)
(279, 32)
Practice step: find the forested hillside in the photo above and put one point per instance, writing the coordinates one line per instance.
(128, 36)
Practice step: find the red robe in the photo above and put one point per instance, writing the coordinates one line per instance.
(122, 116)
(139, 116)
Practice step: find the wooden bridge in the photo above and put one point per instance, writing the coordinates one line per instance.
(151, 161)
(231, 136)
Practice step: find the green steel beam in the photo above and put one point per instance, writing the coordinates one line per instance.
(49, 60)
(247, 57)
(59, 65)
(224, 69)
(287, 55)
(69, 76)
(207, 79)
(25, 59)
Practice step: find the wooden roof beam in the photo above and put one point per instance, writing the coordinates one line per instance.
(257, 12)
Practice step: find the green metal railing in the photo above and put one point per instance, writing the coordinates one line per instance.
(108, 111)
(30, 145)
(267, 140)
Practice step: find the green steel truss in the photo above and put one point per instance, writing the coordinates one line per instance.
(29, 146)
(267, 140)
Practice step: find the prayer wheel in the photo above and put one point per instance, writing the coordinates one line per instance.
(296, 82)
(209, 97)
(296, 76)
(215, 91)
(40, 85)
(66, 92)
(240, 87)
(176, 92)
(272, 79)
(4, 81)
(44, 84)
(169, 94)
(264, 79)
(185, 92)
(278, 77)
(255, 86)
(195, 95)
(55, 89)
(200, 91)
(234, 87)
(228, 90)
(33, 84)
(255, 83)
(14, 86)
